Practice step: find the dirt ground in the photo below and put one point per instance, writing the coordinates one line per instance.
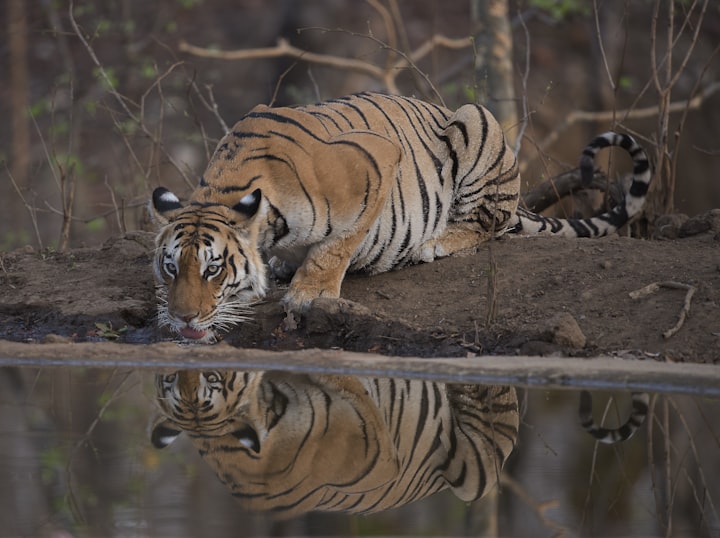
(551, 296)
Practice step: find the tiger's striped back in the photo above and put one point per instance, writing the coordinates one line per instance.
(293, 443)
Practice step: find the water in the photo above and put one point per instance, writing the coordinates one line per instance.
(76, 460)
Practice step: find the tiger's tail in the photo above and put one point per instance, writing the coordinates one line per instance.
(529, 223)
(640, 401)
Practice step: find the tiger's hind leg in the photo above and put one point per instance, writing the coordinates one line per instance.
(484, 175)
(457, 237)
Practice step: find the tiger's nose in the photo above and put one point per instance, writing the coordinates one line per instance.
(189, 317)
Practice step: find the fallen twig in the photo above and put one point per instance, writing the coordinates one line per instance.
(684, 313)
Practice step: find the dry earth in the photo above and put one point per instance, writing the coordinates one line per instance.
(551, 296)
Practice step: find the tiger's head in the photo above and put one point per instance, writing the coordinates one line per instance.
(202, 403)
(279, 441)
(207, 267)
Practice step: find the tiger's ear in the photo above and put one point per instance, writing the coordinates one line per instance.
(163, 433)
(249, 204)
(164, 202)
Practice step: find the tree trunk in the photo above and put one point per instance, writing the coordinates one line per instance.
(494, 62)
(17, 43)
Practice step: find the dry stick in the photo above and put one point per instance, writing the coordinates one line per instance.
(209, 104)
(67, 193)
(657, 492)
(31, 210)
(283, 48)
(119, 215)
(683, 117)
(524, 99)
(212, 106)
(390, 28)
(684, 313)
(119, 98)
(66, 186)
(387, 76)
(667, 460)
(70, 495)
(404, 40)
(666, 159)
(706, 491)
(409, 61)
(279, 82)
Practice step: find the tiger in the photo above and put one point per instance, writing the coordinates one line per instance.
(364, 183)
(638, 414)
(291, 443)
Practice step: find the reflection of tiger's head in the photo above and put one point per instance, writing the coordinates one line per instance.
(207, 267)
(279, 441)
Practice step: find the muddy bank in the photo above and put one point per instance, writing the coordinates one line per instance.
(550, 297)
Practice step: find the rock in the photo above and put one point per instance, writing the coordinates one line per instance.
(710, 220)
(566, 332)
(668, 226)
(328, 315)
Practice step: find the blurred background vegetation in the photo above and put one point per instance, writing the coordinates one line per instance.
(106, 100)
(103, 101)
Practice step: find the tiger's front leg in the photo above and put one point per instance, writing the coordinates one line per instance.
(355, 173)
(320, 275)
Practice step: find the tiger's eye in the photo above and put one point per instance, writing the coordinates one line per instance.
(212, 270)
(211, 377)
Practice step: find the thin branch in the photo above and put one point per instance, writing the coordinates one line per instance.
(118, 214)
(31, 210)
(387, 76)
(603, 55)
(390, 28)
(707, 491)
(118, 97)
(626, 114)
(524, 100)
(71, 496)
(284, 49)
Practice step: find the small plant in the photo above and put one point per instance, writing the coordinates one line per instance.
(105, 330)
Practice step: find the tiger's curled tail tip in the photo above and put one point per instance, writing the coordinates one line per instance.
(640, 403)
(642, 171)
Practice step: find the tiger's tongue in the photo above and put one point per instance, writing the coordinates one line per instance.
(187, 332)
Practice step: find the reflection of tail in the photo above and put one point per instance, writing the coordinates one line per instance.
(528, 223)
(639, 411)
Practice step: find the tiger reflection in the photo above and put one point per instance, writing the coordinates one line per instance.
(297, 443)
